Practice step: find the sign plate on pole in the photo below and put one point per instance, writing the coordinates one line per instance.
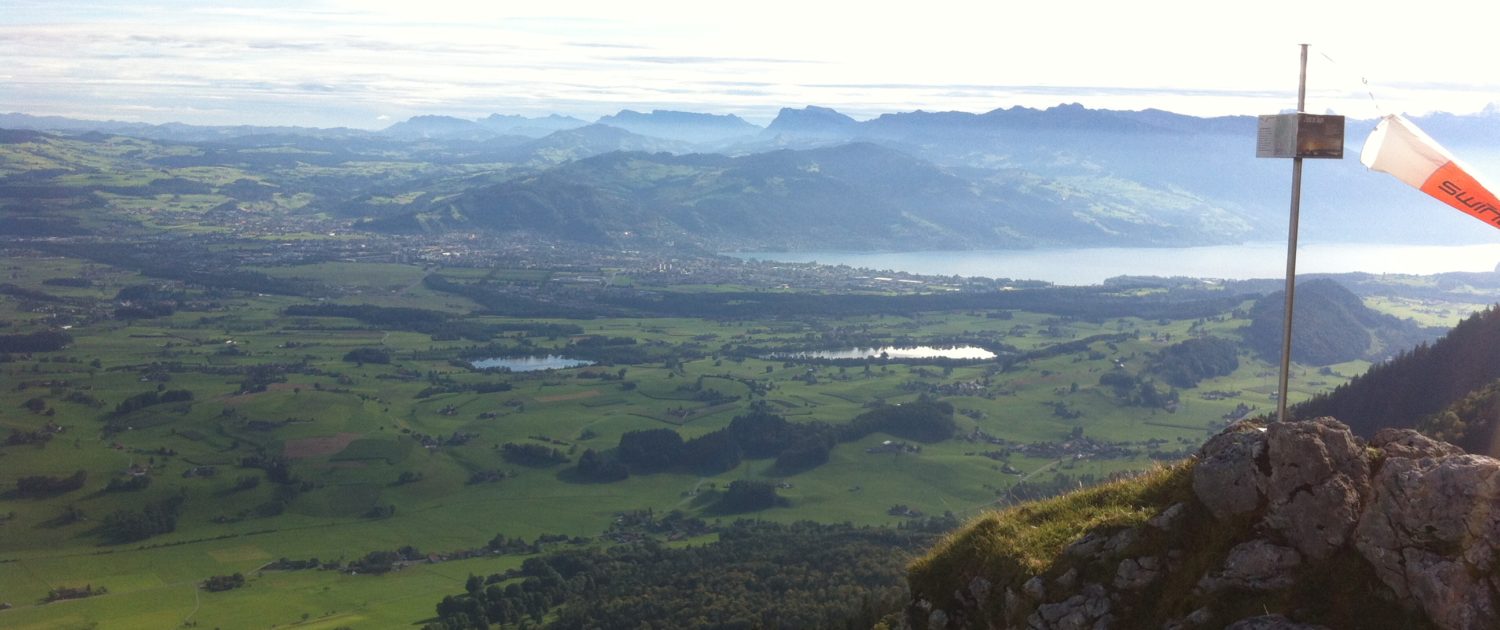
(1300, 136)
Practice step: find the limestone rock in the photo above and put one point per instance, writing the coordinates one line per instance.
(1084, 611)
(1317, 483)
(1300, 498)
(1088, 546)
(1034, 588)
(1224, 479)
(979, 589)
(1432, 529)
(1257, 565)
(1409, 444)
(1197, 619)
(1121, 541)
(1135, 574)
(1067, 580)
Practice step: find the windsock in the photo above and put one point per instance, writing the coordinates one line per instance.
(1399, 148)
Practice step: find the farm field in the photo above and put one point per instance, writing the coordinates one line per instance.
(276, 427)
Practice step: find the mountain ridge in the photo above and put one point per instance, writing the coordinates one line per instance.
(682, 126)
(1146, 177)
(855, 196)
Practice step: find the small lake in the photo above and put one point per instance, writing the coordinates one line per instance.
(530, 364)
(966, 353)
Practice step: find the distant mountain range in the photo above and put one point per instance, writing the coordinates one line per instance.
(817, 179)
(849, 196)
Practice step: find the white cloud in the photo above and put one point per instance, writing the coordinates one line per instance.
(337, 60)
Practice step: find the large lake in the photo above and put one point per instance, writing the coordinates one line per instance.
(1094, 265)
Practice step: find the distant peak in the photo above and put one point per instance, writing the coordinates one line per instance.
(668, 115)
(811, 120)
(438, 118)
(814, 110)
(681, 126)
(430, 124)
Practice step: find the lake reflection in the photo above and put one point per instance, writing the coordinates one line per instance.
(972, 353)
(530, 364)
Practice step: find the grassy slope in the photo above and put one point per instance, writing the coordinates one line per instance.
(1009, 547)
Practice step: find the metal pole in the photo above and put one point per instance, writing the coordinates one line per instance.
(1291, 255)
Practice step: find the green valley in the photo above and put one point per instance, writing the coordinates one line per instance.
(285, 379)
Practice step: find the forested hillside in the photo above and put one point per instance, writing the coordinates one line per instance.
(1419, 383)
(1331, 325)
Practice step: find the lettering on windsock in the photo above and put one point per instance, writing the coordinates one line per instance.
(1399, 148)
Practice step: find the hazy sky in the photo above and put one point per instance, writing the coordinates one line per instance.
(368, 63)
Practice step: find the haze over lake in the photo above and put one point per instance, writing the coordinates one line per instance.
(1094, 265)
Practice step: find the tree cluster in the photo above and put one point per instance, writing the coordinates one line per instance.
(449, 386)
(40, 486)
(748, 495)
(377, 562)
(1184, 364)
(1136, 391)
(368, 355)
(128, 483)
(41, 341)
(72, 592)
(219, 583)
(532, 454)
(160, 517)
(758, 575)
(147, 399)
(761, 434)
(27, 294)
(601, 466)
(18, 437)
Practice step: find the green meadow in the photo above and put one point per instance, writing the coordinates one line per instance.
(408, 453)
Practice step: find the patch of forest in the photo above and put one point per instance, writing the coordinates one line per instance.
(760, 434)
(758, 575)
(1331, 325)
(1419, 383)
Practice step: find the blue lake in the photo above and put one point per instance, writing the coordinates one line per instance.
(530, 364)
(1230, 262)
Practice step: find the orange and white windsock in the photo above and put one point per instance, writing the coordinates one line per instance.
(1399, 148)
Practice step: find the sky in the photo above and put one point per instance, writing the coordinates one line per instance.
(370, 63)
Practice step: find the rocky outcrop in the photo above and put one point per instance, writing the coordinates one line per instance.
(1286, 525)
(1432, 534)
